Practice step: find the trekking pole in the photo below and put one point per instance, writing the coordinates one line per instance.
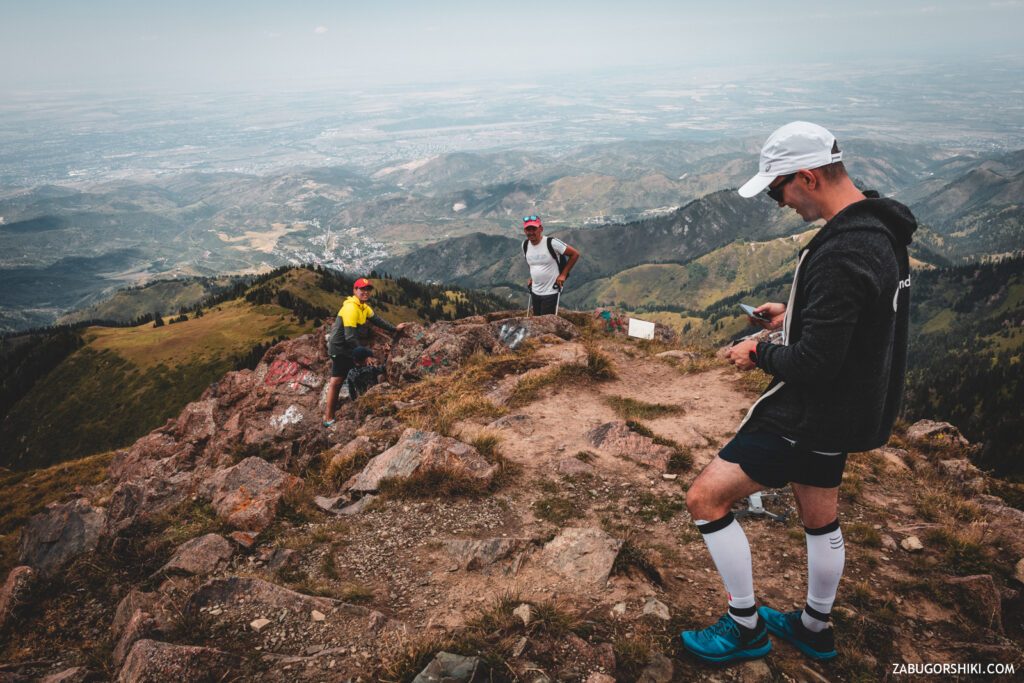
(558, 298)
(529, 302)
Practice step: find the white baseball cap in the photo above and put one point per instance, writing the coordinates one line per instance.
(795, 146)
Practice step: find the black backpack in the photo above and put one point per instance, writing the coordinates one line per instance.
(561, 260)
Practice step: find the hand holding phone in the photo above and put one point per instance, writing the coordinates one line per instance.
(752, 312)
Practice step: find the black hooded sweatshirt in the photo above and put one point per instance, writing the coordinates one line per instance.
(838, 376)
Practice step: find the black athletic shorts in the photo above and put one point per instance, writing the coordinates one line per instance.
(340, 365)
(544, 305)
(774, 461)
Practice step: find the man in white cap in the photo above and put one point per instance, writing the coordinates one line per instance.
(837, 385)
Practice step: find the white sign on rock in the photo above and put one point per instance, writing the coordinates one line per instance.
(640, 329)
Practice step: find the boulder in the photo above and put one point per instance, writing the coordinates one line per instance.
(964, 473)
(480, 552)
(282, 558)
(202, 555)
(418, 452)
(980, 598)
(53, 538)
(585, 555)
(449, 668)
(246, 496)
(149, 491)
(659, 669)
(141, 625)
(15, 592)
(1018, 571)
(260, 596)
(1004, 521)
(616, 438)
(444, 346)
(929, 433)
(358, 506)
(154, 604)
(512, 332)
(152, 661)
(342, 455)
(273, 410)
(895, 458)
(437, 349)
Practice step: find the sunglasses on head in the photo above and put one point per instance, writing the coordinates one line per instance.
(527, 219)
(776, 192)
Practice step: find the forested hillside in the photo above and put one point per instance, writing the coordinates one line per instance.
(966, 356)
(75, 390)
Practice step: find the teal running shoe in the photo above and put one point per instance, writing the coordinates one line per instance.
(819, 645)
(727, 641)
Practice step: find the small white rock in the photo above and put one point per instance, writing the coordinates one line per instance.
(259, 624)
(912, 544)
(318, 616)
(523, 612)
(656, 608)
(619, 609)
(670, 477)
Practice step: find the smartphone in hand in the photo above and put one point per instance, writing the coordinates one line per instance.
(750, 310)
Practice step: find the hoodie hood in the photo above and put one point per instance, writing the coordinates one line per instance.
(872, 214)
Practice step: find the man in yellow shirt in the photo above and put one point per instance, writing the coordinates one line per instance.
(348, 332)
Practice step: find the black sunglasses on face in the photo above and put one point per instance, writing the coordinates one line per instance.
(776, 192)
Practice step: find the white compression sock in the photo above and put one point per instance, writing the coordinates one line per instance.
(826, 555)
(731, 552)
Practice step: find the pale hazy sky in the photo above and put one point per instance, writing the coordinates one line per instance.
(252, 43)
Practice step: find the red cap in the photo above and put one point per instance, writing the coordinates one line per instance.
(363, 283)
(534, 222)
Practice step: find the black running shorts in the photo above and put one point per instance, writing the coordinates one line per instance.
(544, 305)
(340, 365)
(773, 461)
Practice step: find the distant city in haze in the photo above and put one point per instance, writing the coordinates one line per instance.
(71, 137)
(141, 141)
(111, 88)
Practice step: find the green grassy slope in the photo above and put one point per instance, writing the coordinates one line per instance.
(700, 283)
(127, 381)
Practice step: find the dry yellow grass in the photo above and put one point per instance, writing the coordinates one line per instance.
(228, 329)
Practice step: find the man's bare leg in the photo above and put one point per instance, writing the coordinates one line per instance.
(332, 397)
(716, 488)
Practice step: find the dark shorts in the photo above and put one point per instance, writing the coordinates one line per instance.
(773, 462)
(544, 305)
(340, 365)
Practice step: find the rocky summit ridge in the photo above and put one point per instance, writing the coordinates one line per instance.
(509, 505)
